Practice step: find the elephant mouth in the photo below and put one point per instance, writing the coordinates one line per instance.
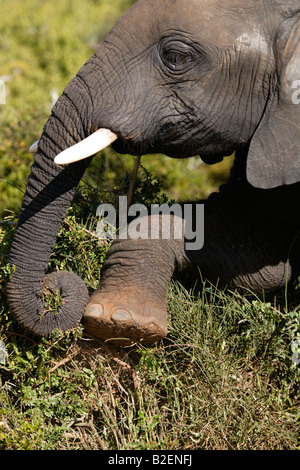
(103, 137)
(98, 141)
(93, 144)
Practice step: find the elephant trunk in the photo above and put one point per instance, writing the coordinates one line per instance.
(48, 194)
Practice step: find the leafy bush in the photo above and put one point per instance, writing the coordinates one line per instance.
(222, 379)
(43, 45)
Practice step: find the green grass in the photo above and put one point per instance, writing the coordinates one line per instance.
(222, 379)
(224, 376)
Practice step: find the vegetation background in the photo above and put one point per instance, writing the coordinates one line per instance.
(223, 379)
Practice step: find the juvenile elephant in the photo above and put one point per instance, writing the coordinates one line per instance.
(183, 78)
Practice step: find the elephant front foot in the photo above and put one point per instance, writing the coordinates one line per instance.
(125, 318)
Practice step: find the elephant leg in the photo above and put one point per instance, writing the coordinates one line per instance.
(241, 251)
(130, 303)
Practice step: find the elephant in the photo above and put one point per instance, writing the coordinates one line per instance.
(183, 78)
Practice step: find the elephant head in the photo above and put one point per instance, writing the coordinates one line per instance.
(178, 77)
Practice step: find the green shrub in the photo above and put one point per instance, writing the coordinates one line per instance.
(222, 379)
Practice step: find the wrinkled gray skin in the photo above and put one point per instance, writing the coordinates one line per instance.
(184, 78)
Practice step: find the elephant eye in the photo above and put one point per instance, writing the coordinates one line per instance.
(177, 56)
(176, 60)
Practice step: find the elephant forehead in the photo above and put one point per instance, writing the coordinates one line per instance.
(215, 22)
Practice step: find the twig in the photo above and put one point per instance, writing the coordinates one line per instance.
(59, 364)
(114, 423)
(91, 427)
(133, 181)
(100, 441)
(19, 334)
(13, 185)
(92, 234)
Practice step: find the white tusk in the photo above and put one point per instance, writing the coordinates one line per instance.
(87, 147)
(34, 147)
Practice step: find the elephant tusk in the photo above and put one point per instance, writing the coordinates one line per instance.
(34, 147)
(87, 147)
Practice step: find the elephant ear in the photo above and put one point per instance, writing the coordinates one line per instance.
(274, 154)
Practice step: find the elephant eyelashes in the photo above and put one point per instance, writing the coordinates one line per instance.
(176, 60)
(177, 57)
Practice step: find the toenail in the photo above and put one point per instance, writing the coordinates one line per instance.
(94, 310)
(121, 316)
